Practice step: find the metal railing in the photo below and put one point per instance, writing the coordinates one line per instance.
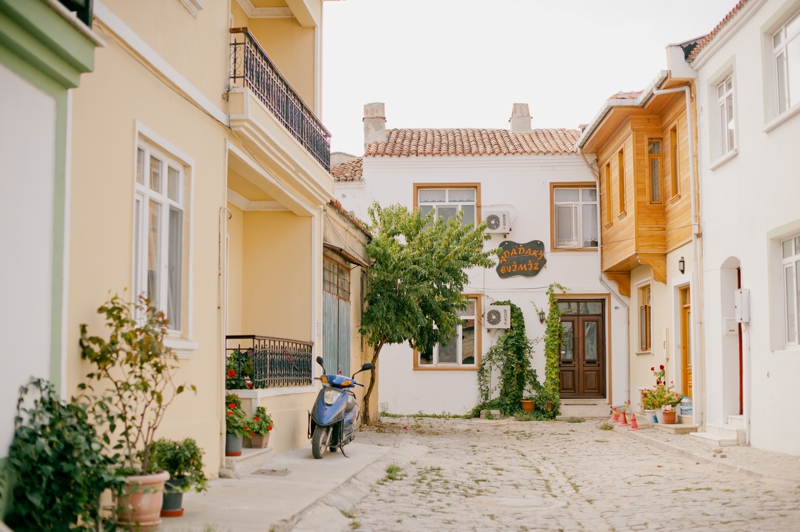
(270, 362)
(252, 68)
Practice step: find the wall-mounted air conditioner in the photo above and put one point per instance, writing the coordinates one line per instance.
(497, 222)
(498, 317)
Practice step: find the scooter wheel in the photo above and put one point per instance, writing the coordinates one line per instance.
(320, 441)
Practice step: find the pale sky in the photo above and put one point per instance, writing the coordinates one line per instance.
(463, 63)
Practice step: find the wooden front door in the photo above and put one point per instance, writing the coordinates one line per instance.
(686, 341)
(582, 366)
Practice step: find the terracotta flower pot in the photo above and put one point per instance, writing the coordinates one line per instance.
(527, 405)
(233, 445)
(259, 441)
(140, 501)
(669, 417)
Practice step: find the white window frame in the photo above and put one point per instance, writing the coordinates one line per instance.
(577, 207)
(726, 145)
(181, 341)
(779, 50)
(790, 283)
(459, 337)
(447, 203)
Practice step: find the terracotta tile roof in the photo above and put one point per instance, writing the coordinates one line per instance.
(423, 142)
(348, 171)
(336, 204)
(707, 39)
(621, 95)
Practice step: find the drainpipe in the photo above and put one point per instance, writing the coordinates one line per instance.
(696, 298)
(603, 282)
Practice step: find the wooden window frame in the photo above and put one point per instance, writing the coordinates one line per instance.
(621, 181)
(553, 236)
(609, 207)
(341, 283)
(649, 181)
(461, 185)
(478, 344)
(674, 162)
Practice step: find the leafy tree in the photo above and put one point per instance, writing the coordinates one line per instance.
(417, 278)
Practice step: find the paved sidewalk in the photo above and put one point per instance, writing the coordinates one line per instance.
(271, 502)
(746, 460)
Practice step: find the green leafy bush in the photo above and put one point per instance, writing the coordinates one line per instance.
(261, 422)
(181, 459)
(56, 465)
(235, 418)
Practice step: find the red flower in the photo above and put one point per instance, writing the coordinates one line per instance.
(245, 428)
(661, 367)
(232, 373)
(230, 413)
(256, 419)
(652, 369)
(252, 434)
(231, 405)
(249, 384)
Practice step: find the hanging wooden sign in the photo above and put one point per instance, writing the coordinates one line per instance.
(521, 259)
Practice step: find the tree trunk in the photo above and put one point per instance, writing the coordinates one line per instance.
(366, 420)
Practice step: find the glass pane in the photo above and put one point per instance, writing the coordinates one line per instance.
(426, 357)
(723, 127)
(432, 196)
(793, 27)
(448, 354)
(654, 146)
(565, 226)
(589, 194)
(470, 310)
(567, 348)
(590, 341)
(137, 249)
(781, 68)
(777, 39)
(153, 253)
(469, 214)
(140, 166)
(729, 85)
(787, 249)
(174, 265)
(468, 343)
(426, 209)
(793, 67)
(589, 223)
(797, 243)
(729, 114)
(721, 90)
(567, 307)
(461, 195)
(590, 307)
(447, 212)
(643, 328)
(566, 194)
(791, 317)
(174, 184)
(155, 174)
(655, 181)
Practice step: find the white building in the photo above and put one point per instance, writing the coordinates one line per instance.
(748, 94)
(536, 178)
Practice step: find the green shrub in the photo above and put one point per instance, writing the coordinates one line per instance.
(181, 459)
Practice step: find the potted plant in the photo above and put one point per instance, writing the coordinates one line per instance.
(260, 427)
(527, 404)
(238, 369)
(138, 371)
(236, 425)
(183, 460)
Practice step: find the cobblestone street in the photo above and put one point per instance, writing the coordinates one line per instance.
(508, 475)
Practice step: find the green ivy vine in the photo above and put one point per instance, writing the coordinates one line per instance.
(549, 399)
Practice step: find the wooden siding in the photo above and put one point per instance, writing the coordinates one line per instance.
(618, 233)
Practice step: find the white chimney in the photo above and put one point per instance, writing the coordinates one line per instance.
(374, 123)
(520, 118)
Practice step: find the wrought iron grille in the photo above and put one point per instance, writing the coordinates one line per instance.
(252, 68)
(276, 362)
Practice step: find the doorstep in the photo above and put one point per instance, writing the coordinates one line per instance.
(675, 428)
(250, 460)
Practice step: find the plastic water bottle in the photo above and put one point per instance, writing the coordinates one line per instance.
(685, 407)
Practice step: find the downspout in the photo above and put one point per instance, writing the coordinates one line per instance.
(696, 299)
(596, 174)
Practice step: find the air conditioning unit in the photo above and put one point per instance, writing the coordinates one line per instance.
(497, 222)
(498, 317)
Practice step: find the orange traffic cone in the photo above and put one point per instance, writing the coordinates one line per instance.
(634, 425)
(624, 419)
(615, 417)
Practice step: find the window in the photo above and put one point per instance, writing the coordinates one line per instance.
(575, 217)
(654, 169)
(725, 110)
(446, 202)
(644, 318)
(790, 252)
(159, 232)
(463, 349)
(607, 198)
(621, 174)
(674, 169)
(786, 54)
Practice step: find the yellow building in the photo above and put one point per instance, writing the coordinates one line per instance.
(644, 144)
(200, 178)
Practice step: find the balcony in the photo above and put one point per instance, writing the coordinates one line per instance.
(251, 68)
(270, 362)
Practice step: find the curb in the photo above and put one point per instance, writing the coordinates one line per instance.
(702, 459)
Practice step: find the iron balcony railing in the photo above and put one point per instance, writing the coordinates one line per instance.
(269, 362)
(252, 68)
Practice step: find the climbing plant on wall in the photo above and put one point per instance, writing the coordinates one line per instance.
(549, 398)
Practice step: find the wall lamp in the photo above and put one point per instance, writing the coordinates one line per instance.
(542, 316)
(681, 265)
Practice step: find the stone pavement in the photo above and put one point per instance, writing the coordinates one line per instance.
(509, 475)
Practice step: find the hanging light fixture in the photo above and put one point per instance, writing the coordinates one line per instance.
(542, 316)
(682, 265)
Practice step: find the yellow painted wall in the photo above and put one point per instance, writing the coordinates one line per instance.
(235, 257)
(105, 110)
(276, 275)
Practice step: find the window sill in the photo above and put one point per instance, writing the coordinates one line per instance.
(608, 224)
(674, 199)
(446, 368)
(639, 353)
(724, 159)
(559, 250)
(183, 348)
(778, 120)
(622, 215)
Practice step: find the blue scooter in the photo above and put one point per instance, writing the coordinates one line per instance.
(333, 420)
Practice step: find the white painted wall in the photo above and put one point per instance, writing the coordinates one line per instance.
(522, 181)
(27, 165)
(743, 199)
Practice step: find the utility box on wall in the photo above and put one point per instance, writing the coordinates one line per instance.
(741, 305)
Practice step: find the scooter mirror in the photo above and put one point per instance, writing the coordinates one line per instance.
(319, 361)
(366, 366)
